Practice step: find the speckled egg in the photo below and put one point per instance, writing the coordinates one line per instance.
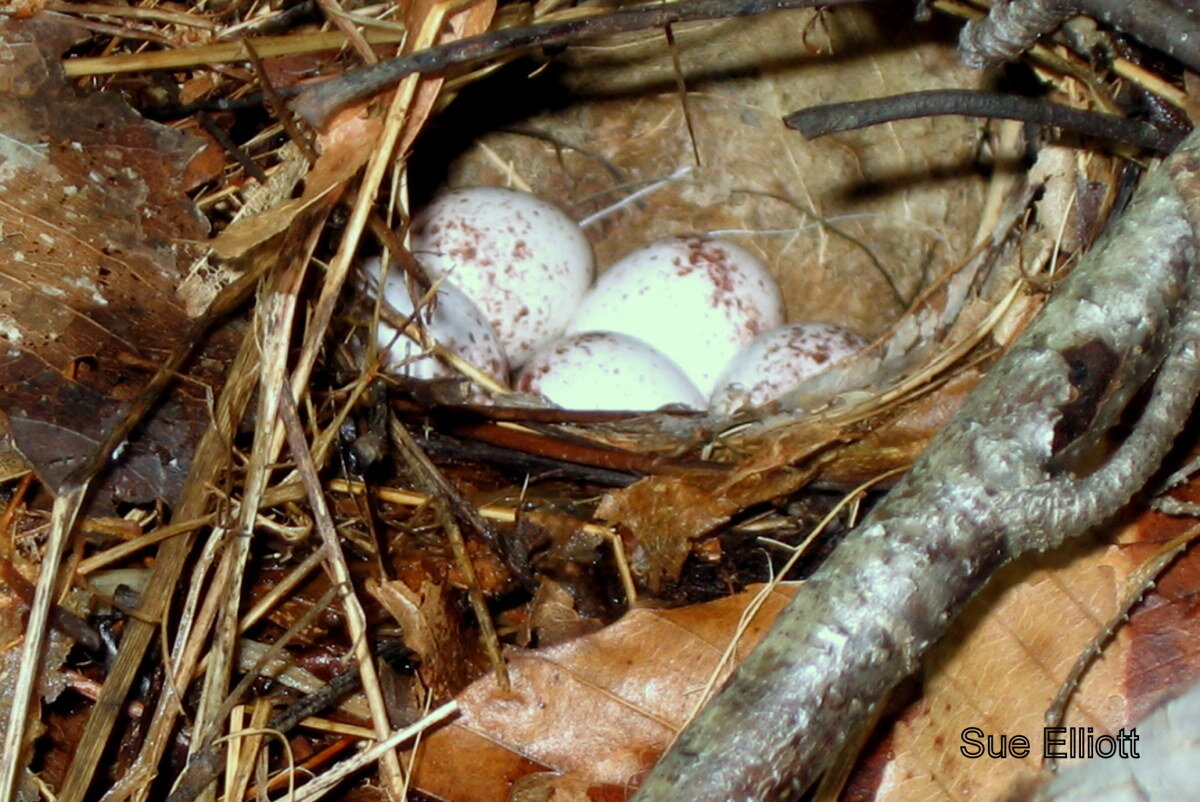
(520, 259)
(603, 370)
(778, 360)
(450, 318)
(698, 300)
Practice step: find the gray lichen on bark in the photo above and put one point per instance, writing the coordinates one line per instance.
(1012, 27)
(1010, 474)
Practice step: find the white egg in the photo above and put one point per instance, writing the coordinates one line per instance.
(696, 299)
(603, 370)
(520, 259)
(779, 360)
(450, 318)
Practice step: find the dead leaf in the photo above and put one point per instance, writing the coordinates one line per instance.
(664, 514)
(553, 617)
(95, 229)
(1006, 657)
(598, 709)
(346, 144)
(433, 625)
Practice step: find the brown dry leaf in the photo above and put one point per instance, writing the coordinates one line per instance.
(1006, 657)
(473, 19)
(598, 709)
(95, 231)
(553, 617)
(346, 144)
(434, 629)
(1163, 634)
(664, 514)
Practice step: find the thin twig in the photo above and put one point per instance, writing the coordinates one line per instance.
(332, 778)
(444, 447)
(1136, 587)
(450, 506)
(61, 619)
(837, 117)
(232, 148)
(317, 103)
(277, 107)
(356, 619)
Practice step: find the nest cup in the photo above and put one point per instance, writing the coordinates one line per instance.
(914, 234)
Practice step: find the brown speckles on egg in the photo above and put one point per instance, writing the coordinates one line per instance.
(522, 260)
(781, 359)
(696, 299)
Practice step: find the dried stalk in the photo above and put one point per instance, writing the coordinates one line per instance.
(208, 457)
(66, 508)
(449, 505)
(332, 778)
(356, 619)
(205, 765)
(210, 461)
(996, 483)
(222, 53)
(273, 320)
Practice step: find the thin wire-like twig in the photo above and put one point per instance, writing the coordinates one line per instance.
(837, 117)
(1136, 587)
(317, 103)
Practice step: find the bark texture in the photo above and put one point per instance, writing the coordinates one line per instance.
(1011, 28)
(996, 483)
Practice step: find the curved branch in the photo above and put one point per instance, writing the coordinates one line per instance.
(983, 493)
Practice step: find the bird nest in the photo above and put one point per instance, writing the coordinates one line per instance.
(935, 238)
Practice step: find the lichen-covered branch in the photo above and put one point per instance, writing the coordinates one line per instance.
(996, 483)
(1011, 28)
